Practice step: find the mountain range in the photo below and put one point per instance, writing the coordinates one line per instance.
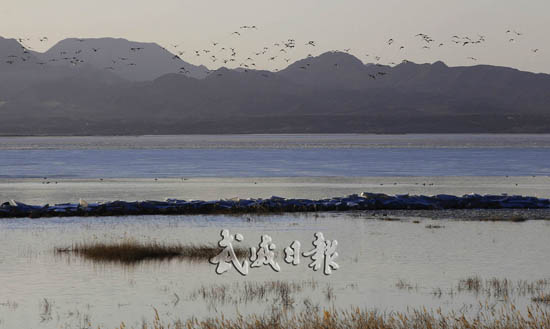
(114, 86)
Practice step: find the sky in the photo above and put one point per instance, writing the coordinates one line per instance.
(362, 26)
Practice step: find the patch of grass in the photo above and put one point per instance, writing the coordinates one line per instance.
(404, 285)
(545, 299)
(9, 304)
(502, 288)
(507, 318)
(390, 219)
(472, 284)
(513, 219)
(129, 252)
(249, 292)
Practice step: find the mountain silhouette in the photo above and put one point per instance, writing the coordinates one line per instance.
(135, 61)
(331, 93)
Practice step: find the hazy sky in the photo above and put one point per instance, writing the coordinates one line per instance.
(362, 25)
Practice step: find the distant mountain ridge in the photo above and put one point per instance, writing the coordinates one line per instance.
(134, 61)
(333, 92)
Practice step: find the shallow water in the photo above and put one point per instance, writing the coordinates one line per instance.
(131, 163)
(41, 289)
(373, 256)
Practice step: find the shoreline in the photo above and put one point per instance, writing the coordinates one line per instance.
(62, 190)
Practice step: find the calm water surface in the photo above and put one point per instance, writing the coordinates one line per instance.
(39, 289)
(374, 256)
(274, 156)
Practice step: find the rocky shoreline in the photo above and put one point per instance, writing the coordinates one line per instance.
(364, 201)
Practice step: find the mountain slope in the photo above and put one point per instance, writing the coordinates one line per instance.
(135, 61)
(334, 92)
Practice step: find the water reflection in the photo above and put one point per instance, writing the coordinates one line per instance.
(387, 265)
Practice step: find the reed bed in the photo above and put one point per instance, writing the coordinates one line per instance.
(130, 252)
(506, 318)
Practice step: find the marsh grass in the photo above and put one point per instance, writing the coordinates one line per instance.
(506, 318)
(251, 292)
(405, 285)
(502, 288)
(130, 252)
(432, 226)
(545, 299)
(9, 304)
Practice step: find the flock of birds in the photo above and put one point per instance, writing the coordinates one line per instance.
(218, 53)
